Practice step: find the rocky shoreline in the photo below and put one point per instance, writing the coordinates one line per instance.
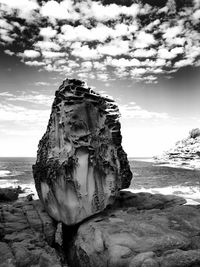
(138, 230)
(185, 154)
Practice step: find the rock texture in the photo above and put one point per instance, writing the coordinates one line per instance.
(26, 233)
(143, 230)
(80, 162)
(186, 152)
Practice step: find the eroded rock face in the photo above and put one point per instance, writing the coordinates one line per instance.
(80, 162)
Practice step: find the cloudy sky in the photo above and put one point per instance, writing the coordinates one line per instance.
(144, 54)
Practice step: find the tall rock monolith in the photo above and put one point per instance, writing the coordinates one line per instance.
(80, 164)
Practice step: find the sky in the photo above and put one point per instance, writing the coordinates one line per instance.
(143, 53)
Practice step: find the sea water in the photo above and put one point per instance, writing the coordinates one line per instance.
(147, 177)
(154, 178)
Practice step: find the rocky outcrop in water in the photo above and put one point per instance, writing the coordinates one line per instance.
(80, 163)
(185, 153)
(140, 230)
(26, 236)
(10, 193)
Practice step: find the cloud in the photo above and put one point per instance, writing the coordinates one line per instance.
(24, 8)
(5, 25)
(19, 114)
(50, 54)
(165, 54)
(172, 32)
(8, 52)
(87, 65)
(135, 41)
(34, 63)
(30, 54)
(5, 34)
(183, 63)
(196, 16)
(99, 33)
(84, 51)
(122, 62)
(103, 76)
(114, 48)
(138, 71)
(32, 97)
(47, 45)
(93, 9)
(144, 40)
(146, 53)
(42, 84)
(48, 32)
(132, 110)
(60, 11)
(6, 94)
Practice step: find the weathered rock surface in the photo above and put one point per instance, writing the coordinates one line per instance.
(185, 153)
(26, 233)
(80, 163)
(160, 232)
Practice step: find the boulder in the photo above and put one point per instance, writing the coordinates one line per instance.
(158, 233)
(10, 193)
(26, 236)
(81, 164)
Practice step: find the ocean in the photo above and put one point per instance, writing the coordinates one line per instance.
(147, 177)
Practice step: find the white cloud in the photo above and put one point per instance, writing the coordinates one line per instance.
(99, 65)
(114, 48)
(87, 65)
(144, 53)
(172, 32)
(62, 10)
(151, 25)
(122, 62)
(24, 8)
(102, 76)
(144, 40)
(18, 114)
(165, 54)
(196, 15)
(5, 36)
(42, 84)
(134, 111)
(84, 51)
(99, 33)
(33, 97)
(177, 50)
(183, 63)
(48, 32)
(5, 25)
(138, 71)
(106, 12)
(176, 41)
(51, 54)
(47, 45)
(30, 54)
(8, 52)
(6, 94)
(34, 63)
(154, 63)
